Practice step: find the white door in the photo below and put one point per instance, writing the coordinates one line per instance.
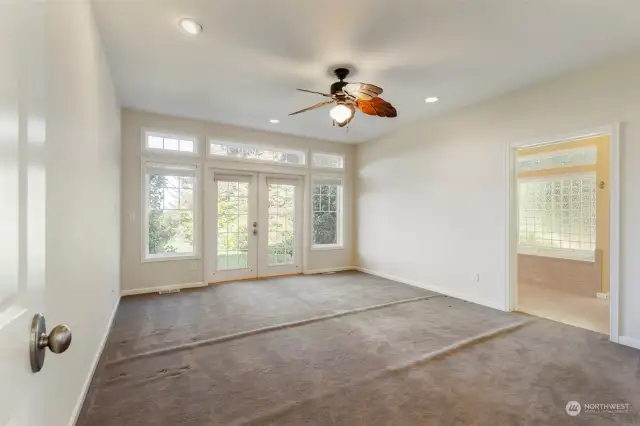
(22, 211)
(255, 225)
(280, 235)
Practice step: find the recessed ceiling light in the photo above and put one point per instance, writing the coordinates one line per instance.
(431, 99)
(190, 26)
(274, 121)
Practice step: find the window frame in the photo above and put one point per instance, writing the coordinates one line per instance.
(147, 132)
(212, 140)
(328, 168)
(144, 208)
(339, 245)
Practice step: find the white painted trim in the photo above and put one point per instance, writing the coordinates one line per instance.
(94, 365)
(146, 132)
(437, 289)
(322, 247)
(613, 131)
(629, 341)
(336, 269)
(159, 289)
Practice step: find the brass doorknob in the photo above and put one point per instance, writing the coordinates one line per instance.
(58, 341)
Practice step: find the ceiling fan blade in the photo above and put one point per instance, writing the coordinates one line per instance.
(362, 91)
(318, 105)
(317, 93)
(377, 106)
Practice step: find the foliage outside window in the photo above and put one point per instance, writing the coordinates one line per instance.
(254, 153)
(233, 224)
(332, 161)
(171, 144)
(326, 210)
(281, 224)
(170, 211)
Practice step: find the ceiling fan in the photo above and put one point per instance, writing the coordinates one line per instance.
(348, 96)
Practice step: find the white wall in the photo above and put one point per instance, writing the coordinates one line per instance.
(140, 275)
(431, 205)
(83, 201)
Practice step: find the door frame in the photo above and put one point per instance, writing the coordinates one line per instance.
(209, 236)
(511, 244)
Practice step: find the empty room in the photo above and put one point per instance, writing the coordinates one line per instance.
(359, 213)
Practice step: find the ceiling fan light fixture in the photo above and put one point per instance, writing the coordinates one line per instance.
(341, 113)
(190, 26)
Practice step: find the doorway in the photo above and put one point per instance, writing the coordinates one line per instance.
(563, 225)
(257, 225)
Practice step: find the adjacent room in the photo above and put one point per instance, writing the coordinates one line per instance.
(358, 213)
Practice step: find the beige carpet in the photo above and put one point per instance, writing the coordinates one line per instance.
(349, 349)
(581, 311)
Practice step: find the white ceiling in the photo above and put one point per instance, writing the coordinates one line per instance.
(244, 67)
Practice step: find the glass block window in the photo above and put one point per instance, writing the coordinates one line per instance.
(558, 159)
(254, 153)
(281, 222)
(170, 210)
(170, 143)
(558, 212)
(332, 161)
(327, 211)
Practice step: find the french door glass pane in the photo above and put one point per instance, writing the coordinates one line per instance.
(281, 224)
(233, 225)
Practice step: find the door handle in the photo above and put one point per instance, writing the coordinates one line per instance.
(255, 231)
(255, 228)
(58, 341)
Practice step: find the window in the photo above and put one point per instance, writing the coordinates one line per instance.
(281, 221)
(170, 198)
(558, 159)
(559, 213)
(327, 213)
(332, 161)
(170, 143)
(254, 153)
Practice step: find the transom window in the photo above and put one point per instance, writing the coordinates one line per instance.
(255, 153)
(326, 213)
(558, 212)
(170, 197)
(332, 161)
(170, 143)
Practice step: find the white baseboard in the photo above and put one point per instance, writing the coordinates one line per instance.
(325, 270)
(441, 290)
(173, 287)
(629, 341)
(94, 365)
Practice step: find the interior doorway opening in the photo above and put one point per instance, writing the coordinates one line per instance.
(560, 232)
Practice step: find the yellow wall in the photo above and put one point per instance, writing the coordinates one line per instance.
(601, 168)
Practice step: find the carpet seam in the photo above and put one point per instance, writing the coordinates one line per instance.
(433, 355)
(267, 329)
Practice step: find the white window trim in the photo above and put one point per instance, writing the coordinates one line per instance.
(144, 216)
(225, 158)
(340, 244)
(146, 132)
(328, 168)
(558, 253)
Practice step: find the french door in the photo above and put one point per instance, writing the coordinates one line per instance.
(257, 225)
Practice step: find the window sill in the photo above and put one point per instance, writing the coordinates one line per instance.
(558, 253)
(170, 258)
(327, 247)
